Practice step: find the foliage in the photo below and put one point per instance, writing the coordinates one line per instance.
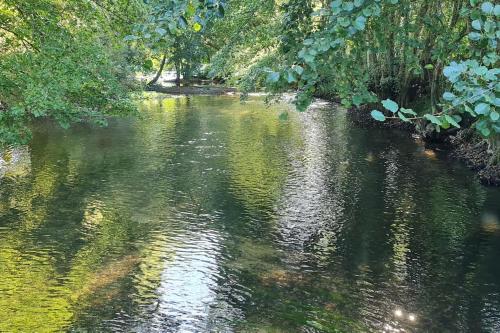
(174, 29)
(474, 82)
(245, 43)
(475, 87)
(392, 53)
(63, 61)
(368, 51)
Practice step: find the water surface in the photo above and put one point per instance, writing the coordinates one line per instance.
(208, 215)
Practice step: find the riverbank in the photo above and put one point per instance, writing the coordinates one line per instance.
(464, 145)
(192, 90)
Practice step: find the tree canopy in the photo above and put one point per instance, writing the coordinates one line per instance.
(431, 62)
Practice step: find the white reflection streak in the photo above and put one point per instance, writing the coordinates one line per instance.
(305, 196)
(188, 285)
(15, 162)
(311, 200)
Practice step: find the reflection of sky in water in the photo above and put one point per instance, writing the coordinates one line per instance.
(188, 284)
(189, 296)
(311, 206)
(14, 162)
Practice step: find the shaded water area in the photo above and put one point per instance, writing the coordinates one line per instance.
(208, 215)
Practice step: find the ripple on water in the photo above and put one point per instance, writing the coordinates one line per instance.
(213, 216)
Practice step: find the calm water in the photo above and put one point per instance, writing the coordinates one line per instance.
(208, 215)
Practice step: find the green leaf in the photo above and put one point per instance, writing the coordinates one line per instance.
(481, 70)
(148, 64)
(482, 108)
(403, 118)
(221, 11)
(348, 6)
(486, 132)
(360, 22)
(448, 96)
(489, 27)
(408, 111)
(308, 41)
(457, 118)
(357, 100)
(390, 105)
(367, 11)
(474, 36)
(183, 23)
(336, 4)
(452, 121)
(445, 124)
(494, 116)
(469, 110)
(429, 66)
(130, 37)
(377, 115)
(309, 58)
(476, 24)
(273, 77)
(298, 69)
(160, 31)
(487, 7)
(433, 119)
(190, 10)
(172, 27)
(344, 21)
(358, 3)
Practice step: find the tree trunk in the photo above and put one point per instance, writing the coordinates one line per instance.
(160, 70)
(178, 69)
(494, 149)
(435, 86)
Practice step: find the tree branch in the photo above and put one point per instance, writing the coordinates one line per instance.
(23, 40)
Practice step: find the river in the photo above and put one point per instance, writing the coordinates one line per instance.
(211, 215)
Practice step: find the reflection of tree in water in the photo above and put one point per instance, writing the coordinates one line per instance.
(173, 221)
(37, 278)
(416, 233)
(75, 214)
(382, 250)
(258, 144)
